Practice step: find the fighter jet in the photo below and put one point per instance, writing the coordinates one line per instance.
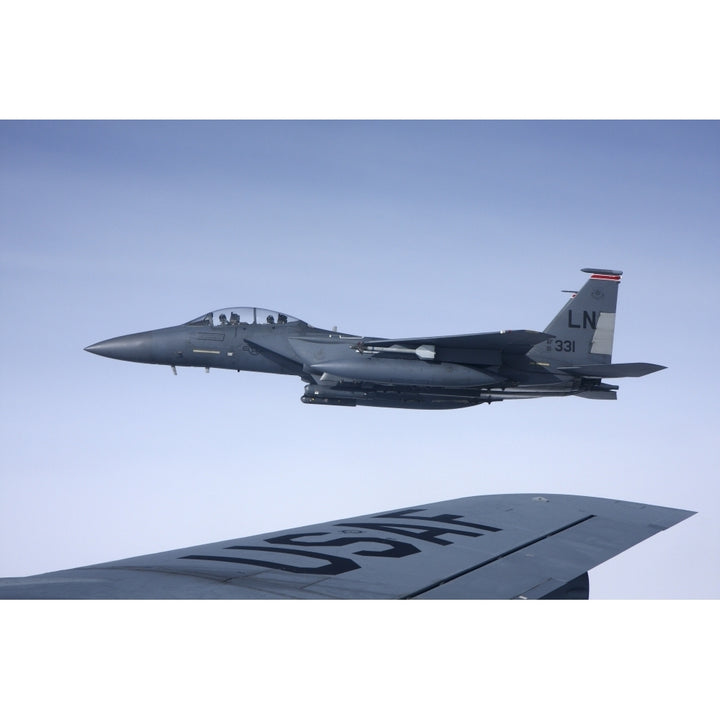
(572, 356)
(490, 547)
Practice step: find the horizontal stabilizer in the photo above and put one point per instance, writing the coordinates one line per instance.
(613, 370)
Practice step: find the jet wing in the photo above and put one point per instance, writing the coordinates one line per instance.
(517, 341)
(496, 546)
(480, 348)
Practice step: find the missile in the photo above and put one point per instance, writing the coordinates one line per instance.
(424, 352)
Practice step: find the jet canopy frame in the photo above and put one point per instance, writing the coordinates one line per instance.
(244, 316)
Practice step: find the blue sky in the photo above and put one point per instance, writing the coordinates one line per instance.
(385, 228)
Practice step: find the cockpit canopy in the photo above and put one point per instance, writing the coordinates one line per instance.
(243, 316)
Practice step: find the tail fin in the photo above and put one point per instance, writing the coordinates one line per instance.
(583, 330)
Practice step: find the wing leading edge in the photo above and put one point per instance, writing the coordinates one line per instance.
(495, 546)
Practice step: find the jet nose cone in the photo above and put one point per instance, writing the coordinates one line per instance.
(98, 348)
(138, 347)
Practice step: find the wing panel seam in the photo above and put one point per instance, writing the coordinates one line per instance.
(496, 558)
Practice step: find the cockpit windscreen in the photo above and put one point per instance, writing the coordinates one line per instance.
(243, 316)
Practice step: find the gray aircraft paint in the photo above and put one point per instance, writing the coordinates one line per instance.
(492, 547)
(583, 330)
(571, 357)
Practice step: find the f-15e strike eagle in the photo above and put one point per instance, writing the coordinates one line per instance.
(489, 547)
(573, 356)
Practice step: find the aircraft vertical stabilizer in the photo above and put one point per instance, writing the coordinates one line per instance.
(583, 330)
